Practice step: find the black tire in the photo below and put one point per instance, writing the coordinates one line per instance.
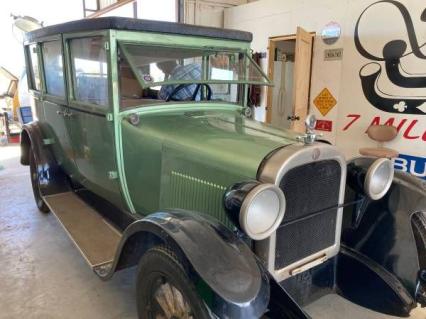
(158, 267)
(41, 205)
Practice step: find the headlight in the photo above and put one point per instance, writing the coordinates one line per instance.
(258, 208)
(378, 178)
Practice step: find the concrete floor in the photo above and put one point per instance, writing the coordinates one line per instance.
(42, 274)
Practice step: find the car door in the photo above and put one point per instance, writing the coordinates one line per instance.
(54, 104)
(92, 134)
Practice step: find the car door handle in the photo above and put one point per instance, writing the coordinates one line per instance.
(68, 114)
(65, 113)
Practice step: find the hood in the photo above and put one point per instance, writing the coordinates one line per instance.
(223, 138)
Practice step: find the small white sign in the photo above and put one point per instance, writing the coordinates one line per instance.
(333, 54)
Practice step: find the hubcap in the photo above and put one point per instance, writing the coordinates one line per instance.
(169, 303)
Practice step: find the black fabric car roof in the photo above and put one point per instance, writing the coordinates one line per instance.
(119, 23)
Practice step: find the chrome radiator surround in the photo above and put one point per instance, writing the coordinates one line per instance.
(272, 171)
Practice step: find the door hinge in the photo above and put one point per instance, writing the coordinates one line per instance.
(106, 45)
(109, 117)
(112, 175)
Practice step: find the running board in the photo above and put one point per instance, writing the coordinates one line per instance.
(96, 239)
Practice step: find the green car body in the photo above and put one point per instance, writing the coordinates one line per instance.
(187, 156)
(210, 144)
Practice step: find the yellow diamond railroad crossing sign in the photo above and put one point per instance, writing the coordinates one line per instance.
(325, 101)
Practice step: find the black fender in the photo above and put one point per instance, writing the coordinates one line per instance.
(390, 231)
(232, 282)
(52, 179)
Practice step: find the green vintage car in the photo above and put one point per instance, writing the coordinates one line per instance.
(142, 148)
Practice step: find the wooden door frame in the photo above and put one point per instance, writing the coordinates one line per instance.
(271, 54)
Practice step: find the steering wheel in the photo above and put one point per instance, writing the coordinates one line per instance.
(180, 87)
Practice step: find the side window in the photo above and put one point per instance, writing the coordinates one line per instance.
(34, 67)
(90, 70)
(53, 68)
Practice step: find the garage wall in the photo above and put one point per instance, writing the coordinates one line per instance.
(268, 18)
(400, 101)
(208, 12)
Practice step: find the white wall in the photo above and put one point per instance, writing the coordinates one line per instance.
(49, 11)
(161, 10)
(208, 12)
(380, 24)
(268, 18)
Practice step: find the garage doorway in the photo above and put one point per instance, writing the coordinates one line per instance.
(289, 67)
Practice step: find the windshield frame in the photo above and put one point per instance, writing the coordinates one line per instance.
(248, 60)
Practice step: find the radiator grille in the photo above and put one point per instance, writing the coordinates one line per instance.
(309, 225)
(300, 239)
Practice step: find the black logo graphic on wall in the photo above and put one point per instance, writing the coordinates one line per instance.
(392, 53)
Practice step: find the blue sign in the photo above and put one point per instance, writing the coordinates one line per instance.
(411, 164)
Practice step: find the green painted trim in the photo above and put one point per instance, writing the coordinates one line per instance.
(41, 70)
(161, 108)
(68, 36)
(177, 40)
(205, 81)
(65, 70)
(118, 139)
(269, 83)
(67, 59)
(55, 99)
(50, 38)
(27, 66)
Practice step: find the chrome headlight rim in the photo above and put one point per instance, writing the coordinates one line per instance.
(372, 173)
(246, 205)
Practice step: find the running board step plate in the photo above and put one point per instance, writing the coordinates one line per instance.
(96, 239)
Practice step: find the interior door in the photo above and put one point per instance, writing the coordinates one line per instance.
(302, 78)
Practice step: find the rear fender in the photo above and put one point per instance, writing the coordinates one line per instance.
(52, 179)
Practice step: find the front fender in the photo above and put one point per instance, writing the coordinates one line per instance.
(238, 283)
(386, 231)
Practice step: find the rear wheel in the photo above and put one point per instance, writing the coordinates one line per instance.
(164, 290)
(41, 205)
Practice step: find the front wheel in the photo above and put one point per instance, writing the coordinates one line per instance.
(41, 205)
(164, 290)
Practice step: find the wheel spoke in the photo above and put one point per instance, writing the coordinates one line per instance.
(172, 303)
(164, 299)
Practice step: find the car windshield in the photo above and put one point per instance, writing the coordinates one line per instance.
(158, 74)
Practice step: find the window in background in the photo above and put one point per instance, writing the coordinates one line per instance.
(90, 7)
(90, 70)
(53, 68)
(35, 71)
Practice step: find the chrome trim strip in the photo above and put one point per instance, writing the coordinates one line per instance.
(273, 171)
